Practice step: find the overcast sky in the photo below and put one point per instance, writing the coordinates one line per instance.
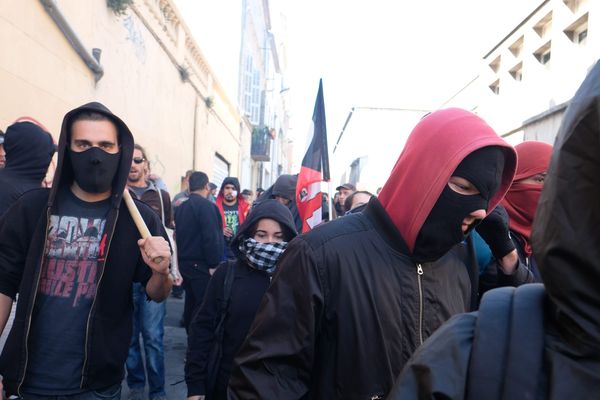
(376, 53)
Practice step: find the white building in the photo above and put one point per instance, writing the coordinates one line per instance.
(528, 78)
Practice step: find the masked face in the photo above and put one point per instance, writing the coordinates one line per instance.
(461, 205)
(94, 155)
(94, 169)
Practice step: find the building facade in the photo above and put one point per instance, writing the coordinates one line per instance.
(528, 78)
(263, 96)
(143, 63)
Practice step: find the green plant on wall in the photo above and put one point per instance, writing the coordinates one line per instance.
(119, 6)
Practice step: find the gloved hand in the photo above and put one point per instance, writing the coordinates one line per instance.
(494, 230)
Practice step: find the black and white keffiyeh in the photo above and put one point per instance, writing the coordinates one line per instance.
(262, 256)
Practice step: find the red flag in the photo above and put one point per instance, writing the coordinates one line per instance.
(315, 168)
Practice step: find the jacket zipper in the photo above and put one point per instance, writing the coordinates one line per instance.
(87, 329)
(419, 274)
(37, 284)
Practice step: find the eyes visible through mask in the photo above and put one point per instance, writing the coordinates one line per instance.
(268, 231)
(462, 186)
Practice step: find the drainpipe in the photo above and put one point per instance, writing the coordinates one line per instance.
(92, 61)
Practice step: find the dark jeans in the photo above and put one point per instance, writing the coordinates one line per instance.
(148, 320)
(110, 393)
(195, 279)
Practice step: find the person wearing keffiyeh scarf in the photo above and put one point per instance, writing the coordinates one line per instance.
(258, 244)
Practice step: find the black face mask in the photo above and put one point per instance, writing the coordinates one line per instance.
(94, 169)
(442, 229)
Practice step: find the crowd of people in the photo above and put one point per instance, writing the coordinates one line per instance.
(431, 288)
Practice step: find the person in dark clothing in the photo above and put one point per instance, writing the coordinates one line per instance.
(514, 218)
(258, 244)
(233, 208)
(199, 237)
(29, 150)
(523, 196)
(148, 316)
(284, 191)
(72, 253)
(353, 298)
(563, 356)
(357, 201)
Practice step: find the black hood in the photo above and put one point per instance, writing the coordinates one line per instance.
(285, 186)
(29, 150)
(230, 180)
(267, 209)
(64, 171)
(566, 237)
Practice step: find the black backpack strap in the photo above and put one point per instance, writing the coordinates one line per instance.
(214, 357)
(507, 354)
(526, 350)
(486, 367)
(229, 277)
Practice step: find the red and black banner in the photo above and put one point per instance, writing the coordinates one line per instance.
(315, 168)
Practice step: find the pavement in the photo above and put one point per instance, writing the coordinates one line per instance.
(175, 342)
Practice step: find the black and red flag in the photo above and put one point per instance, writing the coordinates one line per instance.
(315, 168)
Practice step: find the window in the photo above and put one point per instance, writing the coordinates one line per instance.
(517, 72)
(574, 5)
(544, 25)
(495, 87)
(495, 65)
(544, 53)
(517, 47)
(578, 30)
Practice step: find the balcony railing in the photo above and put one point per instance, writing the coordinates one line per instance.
(261, 144)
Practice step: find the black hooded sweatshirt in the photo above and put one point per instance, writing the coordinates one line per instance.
(23, 237)
(285, 186)
(247, 290)
(29, 150)
(566, 244)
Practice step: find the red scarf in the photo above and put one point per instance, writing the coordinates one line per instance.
(522, 198)
(520, 203)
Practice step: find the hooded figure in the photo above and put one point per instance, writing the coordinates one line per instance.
(233, 208)
(524, 194)
(59, 255)
(284, 189)
(353, 298)
(29, 150)
(566, 244)
(259, 243)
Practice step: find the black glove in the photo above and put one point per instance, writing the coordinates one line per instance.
(494, 230)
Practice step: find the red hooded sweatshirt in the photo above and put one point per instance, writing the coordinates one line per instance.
(522, 198)
(243, 206)
(435, 147)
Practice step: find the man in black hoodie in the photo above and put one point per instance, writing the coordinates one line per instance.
(29, 150)
(72, 254)
(233, 208)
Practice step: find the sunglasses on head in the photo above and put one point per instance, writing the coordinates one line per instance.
(139, 160)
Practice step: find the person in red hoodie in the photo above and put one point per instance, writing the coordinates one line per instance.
(233, 208)
(353, 298)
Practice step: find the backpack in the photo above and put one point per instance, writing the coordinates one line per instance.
(214, 358)
(508, 345)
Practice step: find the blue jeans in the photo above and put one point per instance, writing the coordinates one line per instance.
(110, 393)
(148, 319)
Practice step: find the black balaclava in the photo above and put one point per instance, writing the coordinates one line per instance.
(94, 169)
(442, 229)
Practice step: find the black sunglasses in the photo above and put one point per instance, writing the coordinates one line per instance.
(139, 160)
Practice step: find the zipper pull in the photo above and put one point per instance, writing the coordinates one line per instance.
(419, 269)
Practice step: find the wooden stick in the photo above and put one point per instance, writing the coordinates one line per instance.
(137, 218)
